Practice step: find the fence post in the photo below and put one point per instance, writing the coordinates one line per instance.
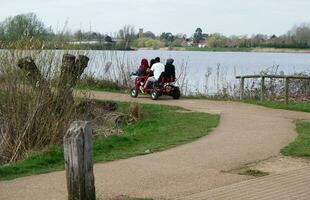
(262, 89)
(287, 81)
(241, 88)
(79, 162)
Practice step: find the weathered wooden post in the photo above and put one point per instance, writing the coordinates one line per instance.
(287, 81)
(241, 88)
(71, 71)
(262, 89)
(79, 162)
(34, 76)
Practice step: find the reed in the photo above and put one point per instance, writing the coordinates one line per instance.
(33, 115)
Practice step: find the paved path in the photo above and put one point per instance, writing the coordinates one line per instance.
(246, 134)
(293, 185)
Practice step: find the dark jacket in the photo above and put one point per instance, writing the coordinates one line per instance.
(169, 70)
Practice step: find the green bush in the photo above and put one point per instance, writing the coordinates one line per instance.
(148, 43)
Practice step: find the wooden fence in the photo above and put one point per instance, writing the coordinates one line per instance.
(263, 77)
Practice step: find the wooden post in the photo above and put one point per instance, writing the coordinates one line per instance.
(287, 81)
(262, 89)
(241, 88)
(71, 71)
(34, 75)
(79, 162)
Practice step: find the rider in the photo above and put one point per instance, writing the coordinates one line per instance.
(170, 70)
(157, 59)
(143, 67)
(152, 62)
(157, 69)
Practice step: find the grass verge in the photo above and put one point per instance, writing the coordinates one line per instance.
(91, 83)
(162, 127)
(101, 89)
(301, 145)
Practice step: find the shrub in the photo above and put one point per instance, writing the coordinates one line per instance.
(33, 114)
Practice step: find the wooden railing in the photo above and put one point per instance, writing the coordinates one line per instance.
(262, 77)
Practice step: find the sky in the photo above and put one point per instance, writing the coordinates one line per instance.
(229, 17)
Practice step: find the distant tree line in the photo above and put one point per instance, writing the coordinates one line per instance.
(23, 26)
(297, 37)
(27, 29)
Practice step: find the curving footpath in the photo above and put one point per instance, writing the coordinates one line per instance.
(246, 134)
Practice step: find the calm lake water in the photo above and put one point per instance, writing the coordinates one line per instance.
(206, 72)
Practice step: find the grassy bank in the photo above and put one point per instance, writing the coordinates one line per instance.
(301, 145)
(243, 49)
(89, 82)
(161, 127)
(282, 50)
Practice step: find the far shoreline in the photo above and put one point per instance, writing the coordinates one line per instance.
(256, 50)
(189, 49)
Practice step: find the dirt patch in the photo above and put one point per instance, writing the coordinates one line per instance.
(106, 121)
(253, 172)
(124, 197)
(184, 111)
(274, 165)
(281, 164)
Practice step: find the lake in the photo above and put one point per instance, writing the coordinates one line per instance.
(206, 72)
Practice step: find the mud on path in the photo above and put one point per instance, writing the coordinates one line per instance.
(246, 134)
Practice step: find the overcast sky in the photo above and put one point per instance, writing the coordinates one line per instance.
(229, 17)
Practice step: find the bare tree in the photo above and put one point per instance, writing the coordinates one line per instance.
(126, 35)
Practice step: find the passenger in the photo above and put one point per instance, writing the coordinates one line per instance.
(170, 70)
(152, 62)
(143, 67)
(157, 70)
(157, 60)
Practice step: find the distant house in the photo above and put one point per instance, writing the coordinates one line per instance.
(94, 41)
(189, 42)
(84, 42)
(203, 44)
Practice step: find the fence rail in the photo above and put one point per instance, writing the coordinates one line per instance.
(262, 77)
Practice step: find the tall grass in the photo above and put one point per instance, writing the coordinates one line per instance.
(110, 66)
(299, 90)
(223, 88)
(36, 115)
(32, 115)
